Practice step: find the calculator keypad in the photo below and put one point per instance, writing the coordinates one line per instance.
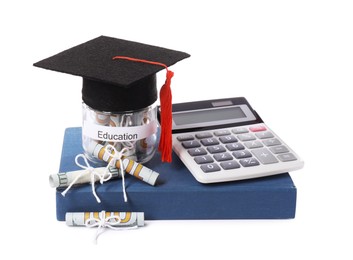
(235, 148)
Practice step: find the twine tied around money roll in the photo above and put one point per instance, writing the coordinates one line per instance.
(117, 156)
(89, 170)
(104, 222)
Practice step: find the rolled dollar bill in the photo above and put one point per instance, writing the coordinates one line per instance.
(115, 219)
(131, 167)
(64, 179)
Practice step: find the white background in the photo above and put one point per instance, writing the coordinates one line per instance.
(292, 60)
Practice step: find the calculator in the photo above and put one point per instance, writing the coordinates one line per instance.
(226, 140)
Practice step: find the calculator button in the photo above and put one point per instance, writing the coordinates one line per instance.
(242, 154)
(264, 156)
(203, 159)
(221, 132)
(228, 139)
(230, 165)
(240, 130)
(209, 141)
(246, 137)
(235, 147)
(287, 157)
(249, 162)
(203, 135)
(257, 128)
(191, 144)
(182, 138)
(212, 167)
(223, 157)
(271, 142)
(197, 151)
(216, 149)
(253, 144)
(279, 149)
(264, 135)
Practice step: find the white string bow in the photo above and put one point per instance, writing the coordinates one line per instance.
(104, 222)
(91, 171)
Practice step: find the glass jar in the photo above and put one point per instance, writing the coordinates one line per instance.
(136, 131)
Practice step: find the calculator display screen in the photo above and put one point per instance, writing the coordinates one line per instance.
(212, 116)
(208, 115)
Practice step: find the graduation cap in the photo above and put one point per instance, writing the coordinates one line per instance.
(120, 75)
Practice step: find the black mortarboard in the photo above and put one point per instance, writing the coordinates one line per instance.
(114, 85)
(120, 75)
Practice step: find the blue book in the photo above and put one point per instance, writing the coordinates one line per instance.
(177, 195)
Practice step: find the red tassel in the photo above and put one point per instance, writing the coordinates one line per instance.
(165, 95)
(165, 143)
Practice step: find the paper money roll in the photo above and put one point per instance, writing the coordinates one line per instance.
(64, 179)
(146, 145)
(102, 119)
(116, 219)
(131, 167)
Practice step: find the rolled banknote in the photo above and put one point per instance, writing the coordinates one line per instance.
(131, 167)
(64, 179)
(114, 219)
